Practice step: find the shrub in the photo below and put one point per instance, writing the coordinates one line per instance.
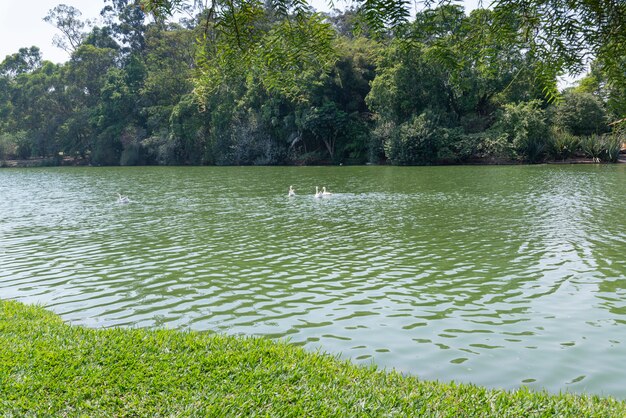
(381, 134)
(525, 127)
(563, 145)
(107, 149)
(8, 146)
(612, 147)
(131, 138)
(581, 114)
(15, 145)
(159, 149)
(415, 142)
(591, 147)
(600, 148)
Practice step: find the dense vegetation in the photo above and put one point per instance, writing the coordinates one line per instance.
(48, 368)
(265, 84)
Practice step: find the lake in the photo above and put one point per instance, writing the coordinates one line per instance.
(503, 276)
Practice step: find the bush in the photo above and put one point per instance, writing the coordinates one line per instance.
(8, 146)
(381, 134)
(15, 145)
(108, 148)
(563, 145)
(415, 142)
(159, 149)
(581, 114)
(612, 144)
(525, 127)
(602, 148)
(250, 143)
(132, 153)
(352, 146)
(592, 147)
(188, 131)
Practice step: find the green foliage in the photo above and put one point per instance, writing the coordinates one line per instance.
(132, 152)
(559, 35)
(611, 90)
(253, 82)
(601, 147)
(15, 145)
(613, 146)
(592, 146)
(286, 58)
(7, 147)
(414, 142)
(406, 85)
(26, 60)
(564, 145)
(48, 368)
(251, 143)
(108, 147)
(526, 130)
(87, 71)
(326, 123)
(581, 114)
(159, 149)
(187, 132)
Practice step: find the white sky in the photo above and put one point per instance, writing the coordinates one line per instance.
(22, 25)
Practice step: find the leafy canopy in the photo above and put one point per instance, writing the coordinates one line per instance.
(563, 35)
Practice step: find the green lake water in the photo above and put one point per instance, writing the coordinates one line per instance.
(501, 276)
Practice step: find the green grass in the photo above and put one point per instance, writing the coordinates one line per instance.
(48, 368)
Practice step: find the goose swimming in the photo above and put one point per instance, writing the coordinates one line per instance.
(122, 199)
(324, 192)
(318, 194)
(292, 192)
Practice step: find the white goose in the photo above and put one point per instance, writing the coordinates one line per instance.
(318, 194)
(324, 192)
(122, 199)
(292, 192)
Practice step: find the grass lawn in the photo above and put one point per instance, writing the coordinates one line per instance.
(48, 368)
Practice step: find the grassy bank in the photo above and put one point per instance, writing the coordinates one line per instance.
(50, 368)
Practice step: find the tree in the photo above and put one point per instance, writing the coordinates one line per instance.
(526, 130)
(406, 84)
(326, 123)
(610, 92)
(565, 35)
(415, 141)
(126, 19)
(37, 108)
(581, 114)
(281, 45)
(561, 35)
(26, 60)
(67, 20)
(440, 63)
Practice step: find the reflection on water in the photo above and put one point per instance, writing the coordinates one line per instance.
(501, 276)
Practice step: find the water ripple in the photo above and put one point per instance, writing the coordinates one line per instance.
(442, 271)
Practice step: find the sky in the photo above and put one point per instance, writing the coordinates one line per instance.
(22, 25)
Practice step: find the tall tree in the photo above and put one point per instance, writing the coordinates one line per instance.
(126, 18)
(561, 35)
(284, 43)
(67, 19)
(26, 60)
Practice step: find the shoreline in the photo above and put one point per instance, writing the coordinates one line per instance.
(52, 368)
(69, 162)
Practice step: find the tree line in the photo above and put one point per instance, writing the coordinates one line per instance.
(443, 87)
